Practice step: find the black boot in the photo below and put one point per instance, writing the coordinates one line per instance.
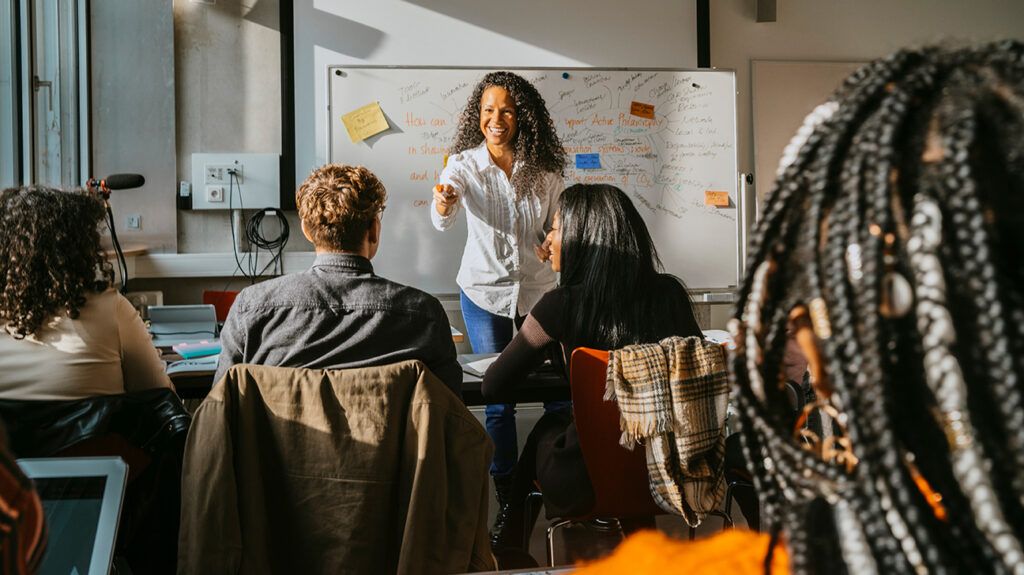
(508, 541)
(503, 492)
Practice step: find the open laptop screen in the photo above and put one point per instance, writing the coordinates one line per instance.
(72, 506)
(81, 500)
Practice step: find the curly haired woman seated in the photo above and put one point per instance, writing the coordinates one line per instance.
(71, 335)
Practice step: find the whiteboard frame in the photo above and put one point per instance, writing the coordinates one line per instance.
(740, 232)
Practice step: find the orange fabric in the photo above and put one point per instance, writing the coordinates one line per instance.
(650, 552)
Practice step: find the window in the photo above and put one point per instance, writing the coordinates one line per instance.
(44, 128)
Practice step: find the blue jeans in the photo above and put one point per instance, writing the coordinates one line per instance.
(490, 333)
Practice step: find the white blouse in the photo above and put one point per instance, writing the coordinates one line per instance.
(500, 271)
(105, 351)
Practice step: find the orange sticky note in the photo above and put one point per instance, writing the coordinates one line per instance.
(642, 110)
(718, 199)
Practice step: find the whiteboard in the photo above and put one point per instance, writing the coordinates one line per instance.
(665, 164)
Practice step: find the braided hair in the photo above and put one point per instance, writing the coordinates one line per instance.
(50, 255)
(897, 218)
(535, 143)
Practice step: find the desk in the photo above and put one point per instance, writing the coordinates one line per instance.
(544, 384)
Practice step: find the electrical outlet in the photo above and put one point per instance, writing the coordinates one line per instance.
(254, 180)
(221, 173)
(141, 300)
(215, 193)
(133, 222)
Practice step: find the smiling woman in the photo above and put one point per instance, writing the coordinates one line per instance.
(506, 171)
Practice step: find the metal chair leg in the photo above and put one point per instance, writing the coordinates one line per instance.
(551, 539)
(726, 518)
(728, 498)
(533, 498)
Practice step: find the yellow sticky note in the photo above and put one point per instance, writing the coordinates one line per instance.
(719, 199)
(365, 122)
(445, 163)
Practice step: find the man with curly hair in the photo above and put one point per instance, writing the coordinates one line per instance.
(339, 314)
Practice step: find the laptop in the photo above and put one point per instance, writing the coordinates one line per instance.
(82, 499)
(174, 324)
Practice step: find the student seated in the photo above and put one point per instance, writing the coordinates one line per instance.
(339, 314)
(893, 243)
(67, 333)
(611, 295)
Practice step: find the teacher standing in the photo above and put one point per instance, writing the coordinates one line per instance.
(506, 172)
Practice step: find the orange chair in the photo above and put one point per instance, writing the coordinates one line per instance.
(619, 476)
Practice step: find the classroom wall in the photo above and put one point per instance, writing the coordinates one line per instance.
(843, 30)
(132, 108)
(227, 67)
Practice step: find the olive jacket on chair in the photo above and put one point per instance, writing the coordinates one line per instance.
(369, 470)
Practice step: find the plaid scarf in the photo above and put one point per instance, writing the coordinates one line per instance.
(672, 397)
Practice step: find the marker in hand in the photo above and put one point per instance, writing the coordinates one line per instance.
(543, 250)
(446, 197)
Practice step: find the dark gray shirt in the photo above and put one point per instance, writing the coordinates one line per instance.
(338, 314)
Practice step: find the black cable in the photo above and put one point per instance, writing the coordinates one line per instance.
(254, 233)
(122, 265)
(231, 209)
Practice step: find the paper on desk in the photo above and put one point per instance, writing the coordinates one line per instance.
(365, 122)
(480, 366)
(718, 336)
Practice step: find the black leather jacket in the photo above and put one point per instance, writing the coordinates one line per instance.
(148, 419)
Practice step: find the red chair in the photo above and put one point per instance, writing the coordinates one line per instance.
(619, 476)
(221, 301)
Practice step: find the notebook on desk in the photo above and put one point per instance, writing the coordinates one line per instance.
(175, 324)
(81, 499)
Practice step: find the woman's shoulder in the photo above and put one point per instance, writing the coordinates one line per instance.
(548, 309)
(677, 304)
(108, 298)
(668, 285)
(466, 159)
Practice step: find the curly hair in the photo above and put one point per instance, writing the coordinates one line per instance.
(50, 255)
(911, 175)
(535, 142)
(338, 203)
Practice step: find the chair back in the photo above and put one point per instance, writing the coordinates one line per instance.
(619, 476)
(147, 430)
(361, 470)
(221, 301)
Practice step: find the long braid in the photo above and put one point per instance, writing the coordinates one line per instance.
(955, 186)
(834, 230)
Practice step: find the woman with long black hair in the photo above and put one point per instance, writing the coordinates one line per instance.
(612, 294)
